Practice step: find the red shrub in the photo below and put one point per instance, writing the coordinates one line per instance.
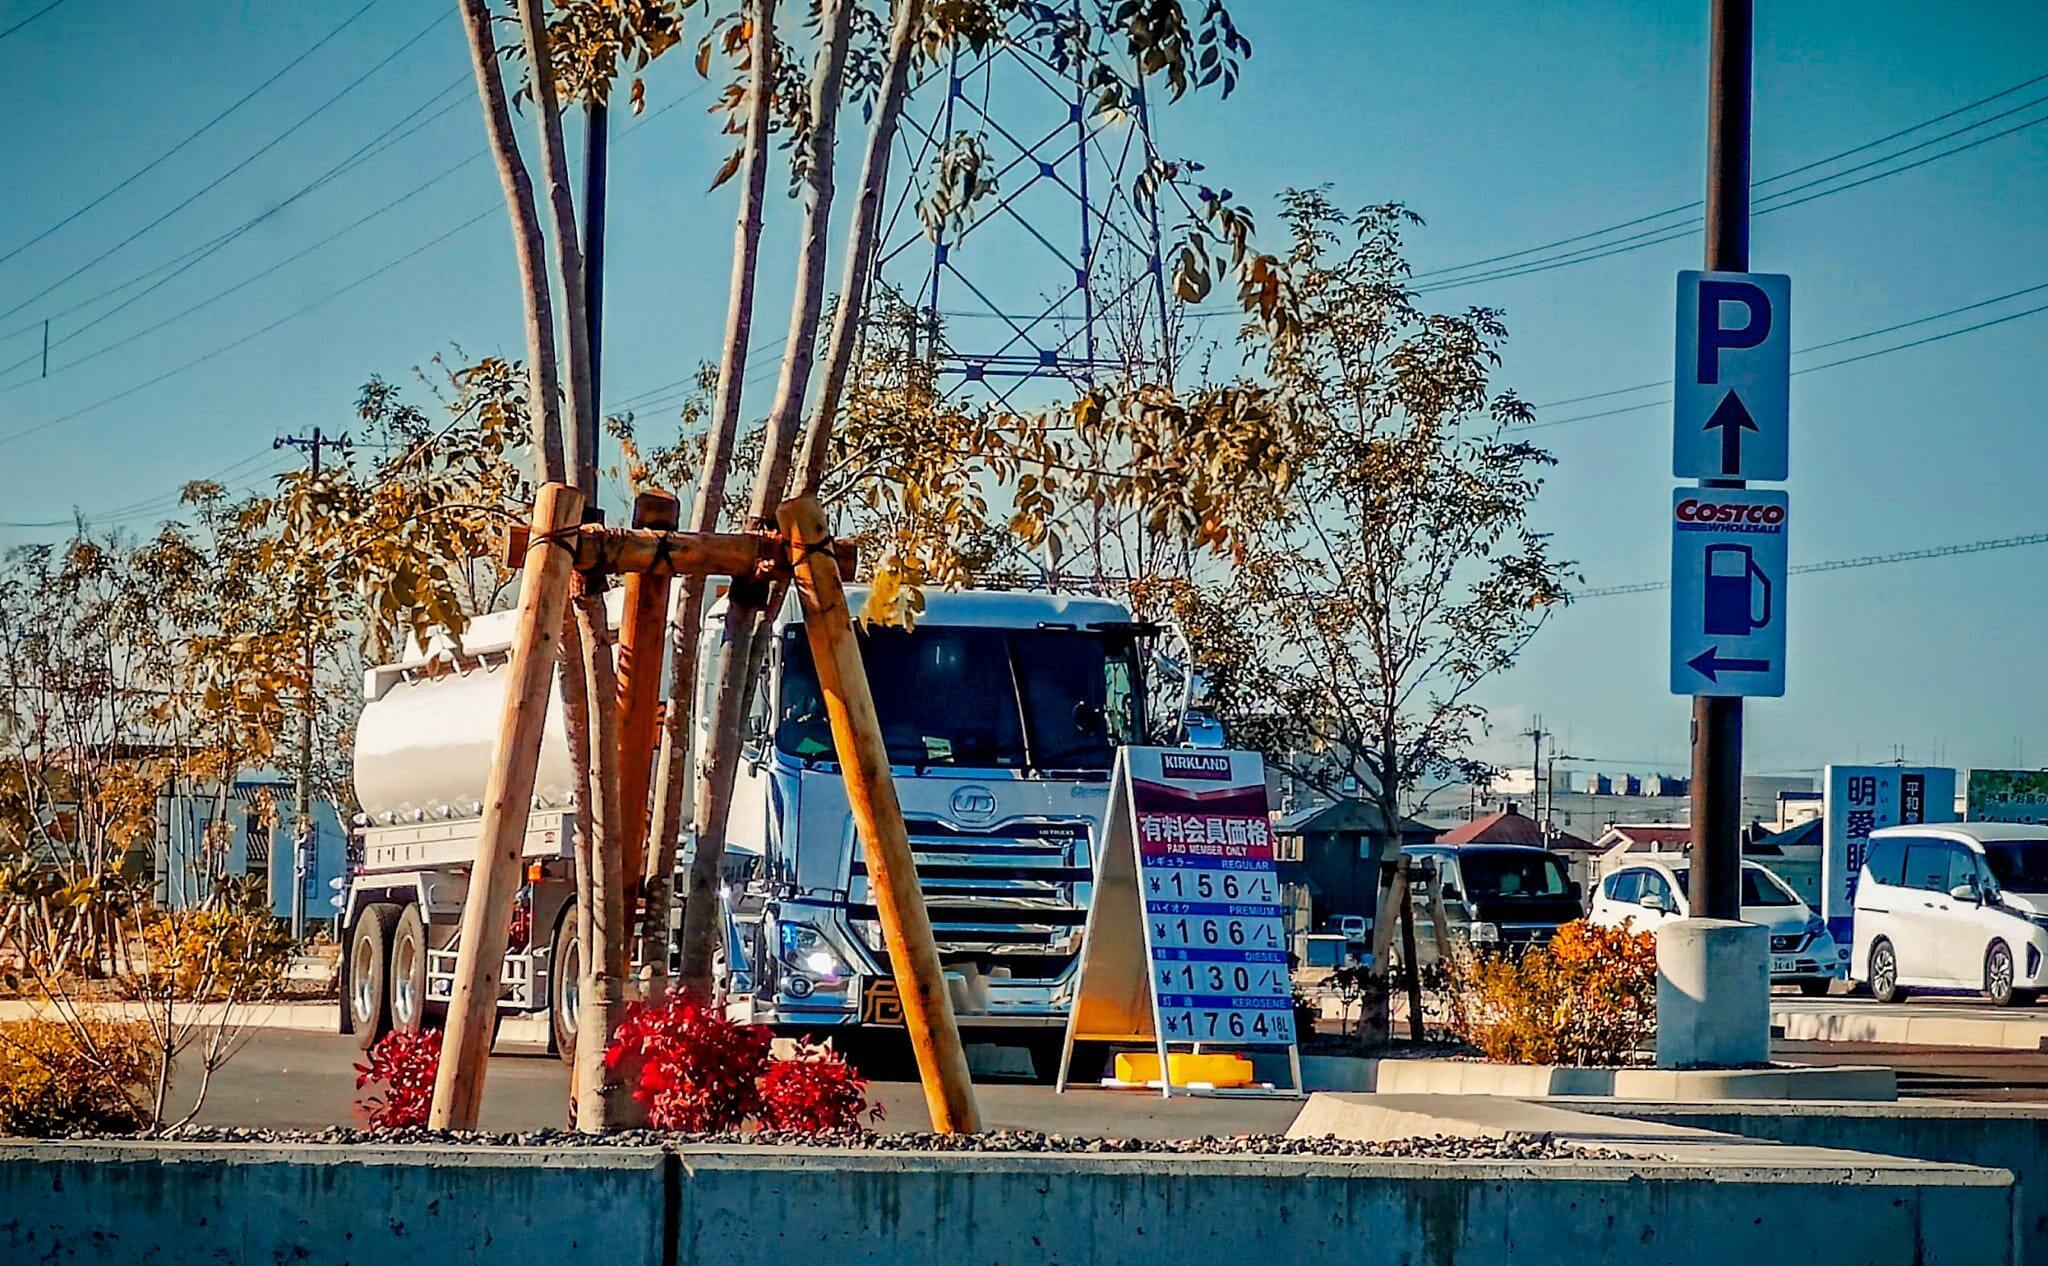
(818, 1090)
(697, 1070)
(403, 1065)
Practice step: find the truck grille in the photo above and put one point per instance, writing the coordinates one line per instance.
(1015, 896)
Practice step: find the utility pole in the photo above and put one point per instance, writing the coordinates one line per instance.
(302, 790)
(596, 141)
(1535, 734)
(1717, 720)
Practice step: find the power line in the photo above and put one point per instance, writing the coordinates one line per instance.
(249, 337)
(217, 181)
(196, 361)
(1845, 564)
(349, 162)
(192, 259)
(1623, 246)
(1755, 185)
(204, 128)
(148, 505)
(1808, 369)
(30, 18)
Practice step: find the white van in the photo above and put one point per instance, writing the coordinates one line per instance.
(1651, 891)
(1959, 905)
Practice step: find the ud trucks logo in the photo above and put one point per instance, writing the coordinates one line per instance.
(974, 804)
(1209, 766)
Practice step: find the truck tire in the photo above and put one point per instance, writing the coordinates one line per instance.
(369, 985)
(565, 968)
(408, 966)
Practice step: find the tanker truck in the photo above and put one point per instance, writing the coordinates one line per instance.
(1002, 712)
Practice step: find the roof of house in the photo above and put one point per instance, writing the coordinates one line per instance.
(1637, 837)
(1342, 815)
(1508, 826)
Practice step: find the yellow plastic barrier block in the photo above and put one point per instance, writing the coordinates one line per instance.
(1225, 1072)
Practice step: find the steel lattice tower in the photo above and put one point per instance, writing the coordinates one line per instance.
(1057, 280)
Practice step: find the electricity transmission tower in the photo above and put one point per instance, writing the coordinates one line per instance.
(1055, 281)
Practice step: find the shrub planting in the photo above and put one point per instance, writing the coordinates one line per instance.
(1588, 999)
(816, 1090)
(401, 1073)
(84, 1074)
(696, 1071)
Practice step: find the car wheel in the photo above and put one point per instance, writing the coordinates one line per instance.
(369, 985)
(409, 971)
(1884, 973)
(1814, 988)
(565, 973)
(1998, 975)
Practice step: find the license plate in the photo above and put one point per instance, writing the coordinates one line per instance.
(1783, 964)
(880, 1005)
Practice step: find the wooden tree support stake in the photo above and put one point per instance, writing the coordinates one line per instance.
(870, 790)
(643, 624)
(508, 799)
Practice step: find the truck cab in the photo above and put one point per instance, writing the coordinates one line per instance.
(1002, 712)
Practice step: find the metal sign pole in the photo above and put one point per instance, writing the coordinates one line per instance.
(1717, 720)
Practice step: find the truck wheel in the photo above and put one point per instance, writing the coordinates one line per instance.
(565, 971)
(369, 991)
(409, 971)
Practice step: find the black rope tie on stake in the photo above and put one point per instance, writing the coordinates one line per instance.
(827, 544)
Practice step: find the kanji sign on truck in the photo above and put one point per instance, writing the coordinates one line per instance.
(1731, 390)
(1185, 942)
(1858, 799)
(1728, 591)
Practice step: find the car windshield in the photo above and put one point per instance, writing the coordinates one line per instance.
(1507, 873)
(986, 698)
(2021, 865)
(1758, 889)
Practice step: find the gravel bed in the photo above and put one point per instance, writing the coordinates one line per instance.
(1514, 1147)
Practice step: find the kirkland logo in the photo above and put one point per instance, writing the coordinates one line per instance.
(1209, 766)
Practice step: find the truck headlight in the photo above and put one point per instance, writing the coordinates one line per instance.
(804, 949)
(1485, 934)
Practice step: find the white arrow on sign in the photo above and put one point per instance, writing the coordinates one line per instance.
(1732, 384)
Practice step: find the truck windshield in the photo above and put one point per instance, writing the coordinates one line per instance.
(1511, 874)
(983, 698)
(2021, 865)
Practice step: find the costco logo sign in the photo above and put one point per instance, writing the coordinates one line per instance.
(1705, 514)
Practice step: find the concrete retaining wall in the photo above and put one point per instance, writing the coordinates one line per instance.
(2006, 1136)
(168, 1204)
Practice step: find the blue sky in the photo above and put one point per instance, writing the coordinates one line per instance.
(1505, 124)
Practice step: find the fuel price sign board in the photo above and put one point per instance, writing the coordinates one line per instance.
(1186, 942)
(1212, 897)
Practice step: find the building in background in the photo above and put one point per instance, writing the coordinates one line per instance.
(1329, 857)
(189, 855)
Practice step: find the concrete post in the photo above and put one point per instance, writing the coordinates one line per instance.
(1713, 994)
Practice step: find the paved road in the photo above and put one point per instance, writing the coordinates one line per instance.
(298, 1080)
(1937, 1072)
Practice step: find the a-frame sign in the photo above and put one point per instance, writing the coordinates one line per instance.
(1185, 944)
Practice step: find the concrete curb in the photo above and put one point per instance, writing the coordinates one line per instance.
(1525, 1081)
(1810, 1022)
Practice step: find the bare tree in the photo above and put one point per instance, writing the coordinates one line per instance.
(659, 880)
(526, 239)
(746, 611)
